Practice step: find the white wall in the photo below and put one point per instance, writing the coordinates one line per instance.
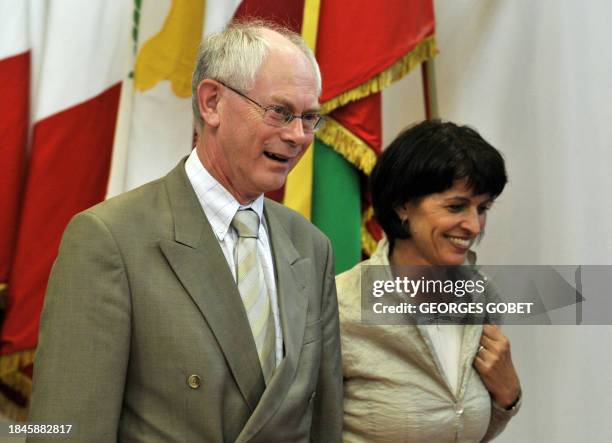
(535, 78)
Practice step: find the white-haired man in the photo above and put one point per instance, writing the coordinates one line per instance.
(192, 309)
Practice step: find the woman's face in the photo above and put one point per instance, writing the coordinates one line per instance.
(443, 226)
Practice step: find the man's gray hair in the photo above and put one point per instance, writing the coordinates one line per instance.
(235, 54)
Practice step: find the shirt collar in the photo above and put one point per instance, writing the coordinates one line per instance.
(218, 204)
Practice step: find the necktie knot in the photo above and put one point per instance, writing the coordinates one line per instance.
(246, 223)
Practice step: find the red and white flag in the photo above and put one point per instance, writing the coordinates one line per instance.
(78, 57)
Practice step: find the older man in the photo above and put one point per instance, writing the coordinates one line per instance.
(193, 309)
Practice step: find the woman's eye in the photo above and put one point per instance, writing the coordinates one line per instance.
(483, 209)
(455, 208)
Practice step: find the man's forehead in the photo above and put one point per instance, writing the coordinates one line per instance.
(275, 39)
(281, 51)
(286, 68)
(286, 71)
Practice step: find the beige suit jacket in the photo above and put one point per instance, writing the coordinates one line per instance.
(144, 336)
(396, 389)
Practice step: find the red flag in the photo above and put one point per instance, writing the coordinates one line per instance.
(14, 117)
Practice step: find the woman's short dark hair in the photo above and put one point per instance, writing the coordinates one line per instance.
(428, 158)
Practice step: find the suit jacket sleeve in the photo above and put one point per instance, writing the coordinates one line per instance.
(327, 412)
(80, 366)
(499, 419)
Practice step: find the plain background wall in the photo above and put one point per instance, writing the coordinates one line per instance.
(535, 79)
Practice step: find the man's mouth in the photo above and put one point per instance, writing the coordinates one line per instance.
(460, 242)
(276, 157)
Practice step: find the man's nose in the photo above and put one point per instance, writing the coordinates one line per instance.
(294, 132)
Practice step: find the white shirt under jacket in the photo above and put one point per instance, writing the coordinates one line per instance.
(220, 207)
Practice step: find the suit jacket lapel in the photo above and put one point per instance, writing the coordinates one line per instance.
(197, 260)
(469, 347)
(291, 271)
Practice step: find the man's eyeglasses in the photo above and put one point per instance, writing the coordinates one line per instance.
(276, 115)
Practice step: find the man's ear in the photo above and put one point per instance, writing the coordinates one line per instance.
(208, 101)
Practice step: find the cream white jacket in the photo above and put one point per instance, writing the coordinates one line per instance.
(394, 387)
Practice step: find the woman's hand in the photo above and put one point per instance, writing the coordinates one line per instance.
(494, 364)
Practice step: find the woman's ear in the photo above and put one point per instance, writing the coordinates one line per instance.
(209, 93)
(402, 212)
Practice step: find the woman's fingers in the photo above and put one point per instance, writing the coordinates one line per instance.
(493, 361)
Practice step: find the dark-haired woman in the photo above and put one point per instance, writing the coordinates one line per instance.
(431, 190)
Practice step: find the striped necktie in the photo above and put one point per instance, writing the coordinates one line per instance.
(253, 290)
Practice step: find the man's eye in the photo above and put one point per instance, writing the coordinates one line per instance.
(280, 112)
(311, 117)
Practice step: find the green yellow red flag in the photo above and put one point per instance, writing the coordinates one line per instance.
(361, 46)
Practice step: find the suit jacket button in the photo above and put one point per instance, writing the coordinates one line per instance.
(194, 381)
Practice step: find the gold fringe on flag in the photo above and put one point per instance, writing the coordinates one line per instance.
(348, 145)
(13, 362)
(368, 242)
(12, 378)
(3, 288)
(425, 50)
(11, 411)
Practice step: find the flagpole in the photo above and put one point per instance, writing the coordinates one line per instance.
(430, 92)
